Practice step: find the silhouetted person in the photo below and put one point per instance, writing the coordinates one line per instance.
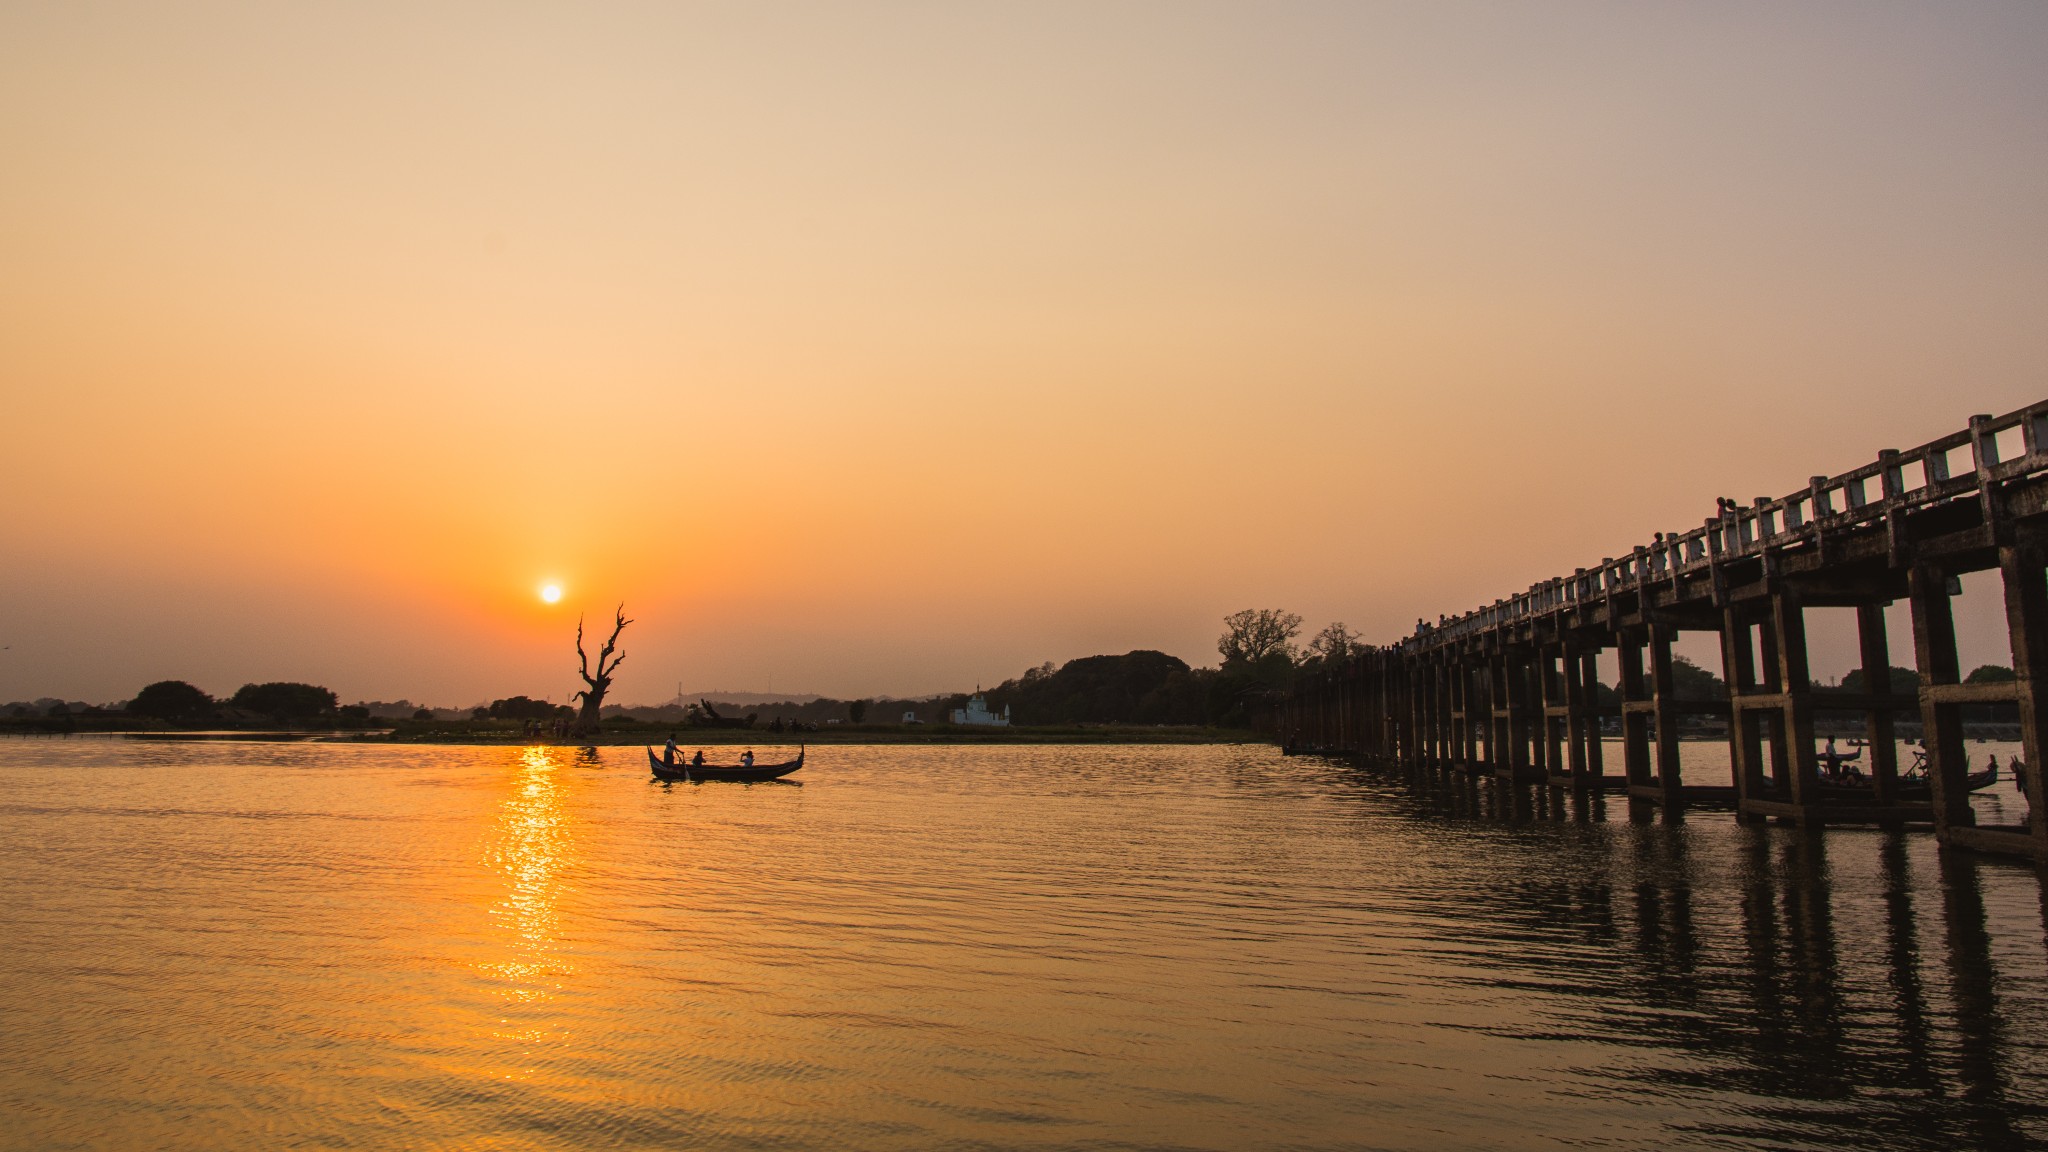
(697, 761)
(747, 758)
(668, 754)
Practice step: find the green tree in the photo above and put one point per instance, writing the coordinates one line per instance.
(1991, 674)
(285, 700)
(857, 710)
(172, 701)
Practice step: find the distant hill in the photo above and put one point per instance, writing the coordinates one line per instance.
(749, 698)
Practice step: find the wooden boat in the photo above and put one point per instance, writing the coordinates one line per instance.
(1910, 790)
(691, 773)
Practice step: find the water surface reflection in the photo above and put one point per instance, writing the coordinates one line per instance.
(1018, 947)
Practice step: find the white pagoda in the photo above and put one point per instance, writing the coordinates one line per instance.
(977, 712)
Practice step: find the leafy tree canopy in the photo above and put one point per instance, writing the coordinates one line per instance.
(1991, 674)
(1692, 682)
(1904, 681)
(283, 700)
(1142, 687)
(1334, 644)
(526, 708)
(1255, 635)
(172, 701)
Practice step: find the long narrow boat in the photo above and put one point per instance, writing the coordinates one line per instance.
(1909, 789)
(691, 773)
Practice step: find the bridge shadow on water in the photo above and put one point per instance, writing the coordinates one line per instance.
(1783, 986)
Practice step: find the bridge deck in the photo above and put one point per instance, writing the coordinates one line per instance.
(1510, 689)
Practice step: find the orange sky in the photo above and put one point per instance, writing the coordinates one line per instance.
(887, 349)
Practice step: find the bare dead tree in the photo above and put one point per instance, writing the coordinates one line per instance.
(597, 685)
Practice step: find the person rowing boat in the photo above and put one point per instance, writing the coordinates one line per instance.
(697, 770)
(1832, 761)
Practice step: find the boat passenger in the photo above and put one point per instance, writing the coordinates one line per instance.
(747, 758)
(697, 761)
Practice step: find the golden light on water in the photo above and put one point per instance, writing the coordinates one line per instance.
(530, 849)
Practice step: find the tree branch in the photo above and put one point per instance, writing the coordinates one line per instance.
(583, 661)
(619, 626)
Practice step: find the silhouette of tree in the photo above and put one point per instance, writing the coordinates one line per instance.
(857, 710)
(1692, 682)
(1333, 644)
(597, 684)
(523, 708)
(1254, 635)
(172, 701)
(285, 700)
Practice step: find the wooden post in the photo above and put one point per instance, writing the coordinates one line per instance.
(1500, 739)
(1664, 720)
(1745, 739)
(1578, 719)
(1635, 722)
(1934, 650)
(1771, 721)
(1878, 732)
(1454, 703)
(2026, 618)
(1554, 708)
(1795, 683)
(1515, 670)
(1589, 682)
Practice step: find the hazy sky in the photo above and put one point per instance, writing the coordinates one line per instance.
(888, 348)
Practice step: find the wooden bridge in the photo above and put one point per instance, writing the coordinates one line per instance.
(1510, 690)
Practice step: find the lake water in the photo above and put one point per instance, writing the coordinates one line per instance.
(335, 946)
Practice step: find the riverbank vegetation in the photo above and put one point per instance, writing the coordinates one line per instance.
(1144, 695)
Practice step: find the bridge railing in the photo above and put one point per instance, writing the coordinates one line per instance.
(1967, 463)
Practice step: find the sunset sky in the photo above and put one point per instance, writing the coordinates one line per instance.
(891, 348)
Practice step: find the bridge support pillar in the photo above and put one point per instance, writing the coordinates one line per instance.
(1636, 709)
(1878, 733)
(1941, 720)
(1664, 722)
(1745, 724)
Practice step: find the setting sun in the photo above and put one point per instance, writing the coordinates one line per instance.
(551, 593)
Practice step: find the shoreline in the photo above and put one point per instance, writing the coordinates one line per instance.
(685, 737)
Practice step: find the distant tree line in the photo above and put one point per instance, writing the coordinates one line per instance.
(1258, 647)
(280, 701)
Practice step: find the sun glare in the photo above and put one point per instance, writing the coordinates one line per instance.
(551, 592)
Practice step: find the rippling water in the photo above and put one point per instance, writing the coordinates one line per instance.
(314, 946)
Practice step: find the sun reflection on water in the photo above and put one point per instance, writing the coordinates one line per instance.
(531, 848)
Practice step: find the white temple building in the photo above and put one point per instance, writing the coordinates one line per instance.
(977, 712)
